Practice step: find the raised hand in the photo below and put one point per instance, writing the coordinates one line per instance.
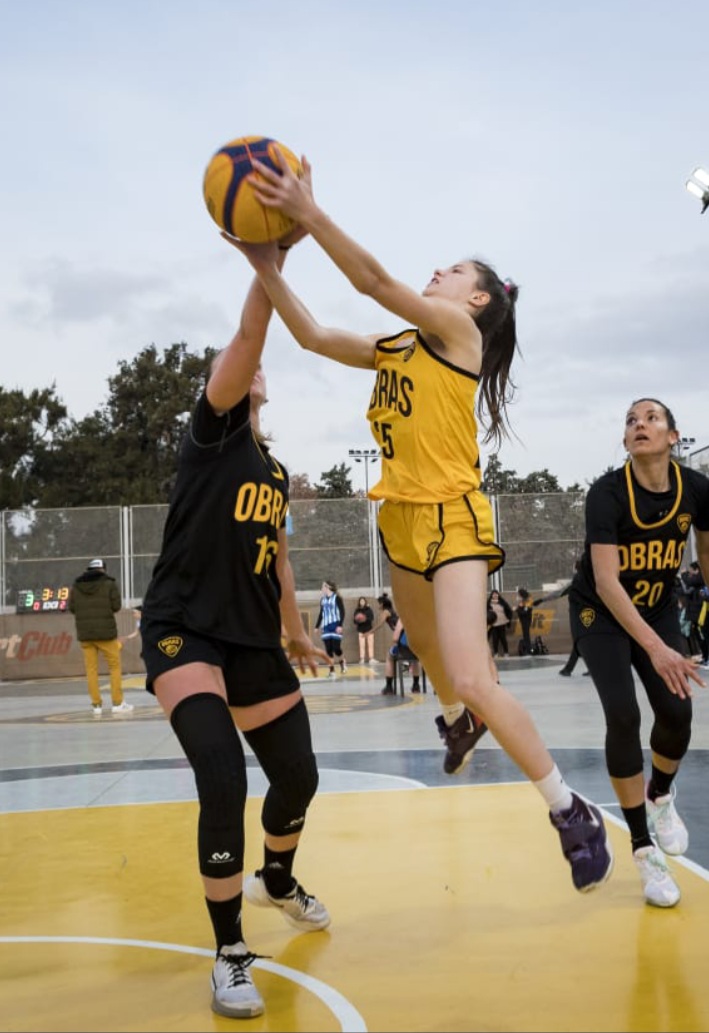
(291, 194)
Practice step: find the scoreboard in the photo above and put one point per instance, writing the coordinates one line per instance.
(46, 599)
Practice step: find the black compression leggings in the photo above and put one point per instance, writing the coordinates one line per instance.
(611, 658)
(333, 647)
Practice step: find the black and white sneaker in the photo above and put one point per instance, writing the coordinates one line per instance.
(234, 993)
(302, 910)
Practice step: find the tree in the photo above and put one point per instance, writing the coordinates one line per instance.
(539, 483)
(28, 424)
(125, 453)
(335, 483)
(300, 487)
(497, 481)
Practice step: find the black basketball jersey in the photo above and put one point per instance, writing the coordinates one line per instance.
(216, 573)
(650, 529)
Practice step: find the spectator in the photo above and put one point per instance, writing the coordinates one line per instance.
(685, 625)
(400, 652)
(137, 613)
(389, 615)
(329, 623)
(497, 631)
(693, 586)
(364, 622)
(523, 612)
(94, 600)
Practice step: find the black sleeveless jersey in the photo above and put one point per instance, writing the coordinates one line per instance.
(650, 529)
(216, 573)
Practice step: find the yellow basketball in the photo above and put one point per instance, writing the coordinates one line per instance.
(230, 198)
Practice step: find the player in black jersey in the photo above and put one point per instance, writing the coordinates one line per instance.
(435, 523)
(221, 592)
(623, 613)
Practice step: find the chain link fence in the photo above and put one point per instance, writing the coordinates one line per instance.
(44, 550)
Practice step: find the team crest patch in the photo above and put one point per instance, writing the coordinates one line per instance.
(431, 552)
(684, 522)
(409, 352)
(171, 645)
(587, 616)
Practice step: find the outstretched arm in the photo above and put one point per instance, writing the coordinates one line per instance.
(294, 197)
(348, 348)
(234, 367)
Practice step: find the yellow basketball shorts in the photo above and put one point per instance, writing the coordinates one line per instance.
(423, 536)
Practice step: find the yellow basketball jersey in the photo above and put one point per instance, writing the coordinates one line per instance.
(422, 416)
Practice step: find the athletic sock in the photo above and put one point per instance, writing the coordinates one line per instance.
(226, 920)
(555, 791)
(452, 713)
(660, 783)
(278, 871)
(636, 820)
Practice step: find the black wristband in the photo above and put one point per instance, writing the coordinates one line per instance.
(284, 247)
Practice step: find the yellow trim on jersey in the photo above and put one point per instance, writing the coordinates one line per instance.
(631, 496)
(422, 416)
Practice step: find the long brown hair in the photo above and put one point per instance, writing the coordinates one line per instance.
(497, 324)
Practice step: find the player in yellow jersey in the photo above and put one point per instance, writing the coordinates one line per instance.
(435, 523)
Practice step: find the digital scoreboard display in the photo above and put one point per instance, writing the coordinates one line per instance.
(47, 599)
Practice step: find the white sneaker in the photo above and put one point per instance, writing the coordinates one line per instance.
(234, 993)
(659, 887)
(343, 668)
(299, 908)
(666, 825)
(122, 708)
(98, 710)
(373, 661)
(331, 675)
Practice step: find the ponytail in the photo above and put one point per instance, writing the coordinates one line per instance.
(497, 324)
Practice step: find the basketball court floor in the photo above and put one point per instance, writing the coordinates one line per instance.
(452, 906)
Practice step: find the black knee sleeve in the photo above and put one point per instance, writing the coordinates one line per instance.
(205, 729)
(284, 750)
(671, 739)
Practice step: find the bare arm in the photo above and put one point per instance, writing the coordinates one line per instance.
(299, 646)
(294, 196)
(672, 667)
(234, 367)
(348, 348)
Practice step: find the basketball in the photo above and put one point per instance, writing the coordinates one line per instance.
(230, 198)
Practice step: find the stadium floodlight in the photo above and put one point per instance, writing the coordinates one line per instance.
(366, 456)
(698, 186)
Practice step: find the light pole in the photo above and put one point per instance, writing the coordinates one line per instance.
(366, 456)
(698, 186)
(683, 447)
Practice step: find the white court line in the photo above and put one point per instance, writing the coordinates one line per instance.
(346, 1014)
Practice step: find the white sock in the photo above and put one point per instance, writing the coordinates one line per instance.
(555, 791)
(452, 713)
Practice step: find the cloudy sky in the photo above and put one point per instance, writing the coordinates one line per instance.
(552, 139)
